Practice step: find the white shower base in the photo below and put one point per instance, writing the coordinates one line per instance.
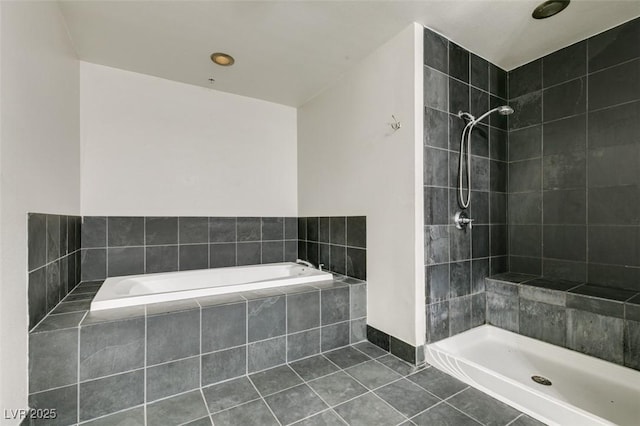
(585, 390)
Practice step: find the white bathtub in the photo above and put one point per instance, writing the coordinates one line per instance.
(585, 390)
(117, 292)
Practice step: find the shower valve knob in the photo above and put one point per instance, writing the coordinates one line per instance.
(461, 219)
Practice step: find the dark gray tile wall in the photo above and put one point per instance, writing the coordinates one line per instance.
(113, 246)
(595, 320)
(456, 261)
(53, 261)
(339, 243)
(574, 162)
(403, 350)
(88, 365)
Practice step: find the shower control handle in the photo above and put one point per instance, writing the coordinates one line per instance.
(461, 219)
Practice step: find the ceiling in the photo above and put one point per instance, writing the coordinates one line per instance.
(289, 51)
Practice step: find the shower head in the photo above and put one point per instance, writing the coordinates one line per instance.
(505, 110)
(472, 121)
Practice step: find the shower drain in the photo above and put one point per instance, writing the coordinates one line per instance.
(541, 380)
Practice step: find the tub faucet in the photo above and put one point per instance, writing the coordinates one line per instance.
(304, 262)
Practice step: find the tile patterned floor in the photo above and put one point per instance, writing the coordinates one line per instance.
(356, 385)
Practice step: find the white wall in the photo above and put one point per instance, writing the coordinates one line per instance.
(350, 162)
(157, 147)
(39, 161)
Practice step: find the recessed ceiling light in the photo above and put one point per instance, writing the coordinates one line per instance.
(222, 59)
(550, 8)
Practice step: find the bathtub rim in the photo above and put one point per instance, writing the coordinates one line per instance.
(129, 301)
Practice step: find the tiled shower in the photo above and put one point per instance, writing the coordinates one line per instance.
(458, 261)
(565, 185)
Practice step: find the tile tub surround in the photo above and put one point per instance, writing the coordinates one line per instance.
(113, 246)
(574, 163)
(53, 261)
(337, 242)
(599, 321)
(456, 262)
(110, 361)
(356, 385)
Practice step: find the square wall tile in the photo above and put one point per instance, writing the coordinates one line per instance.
(338, 259)
(614, 46)
(248, 253)
(525, 79)
(224, 365)
(614, 85)
(436, 89)
(94, 264)
(125, 231)
(224, 326)
(37, 296)
(37, 240)
(334, 336)
(272, 251)
(272, 228)
(63, 400)
(266, 354)
(53, 237)
(222, 230)
(222, 255)
(110, 348)
(357, 263)
(111, 394)
(266, 318)
(194, 230)
(94, 231)
(595, 335)
(161, 230)
(172, 378)
(436, 51)
(357, 231)
(565, 64)
(125, 261)
(193, 256)
(334, 305)
(58, 349)
(173, 336)
(161, 259)
(248, 228)
(303, 311)
(303, 344)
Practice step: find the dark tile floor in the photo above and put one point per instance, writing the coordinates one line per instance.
(356, 385)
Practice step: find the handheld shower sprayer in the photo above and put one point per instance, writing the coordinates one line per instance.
(466, 154)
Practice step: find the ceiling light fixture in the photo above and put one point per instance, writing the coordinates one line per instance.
(222, 59)
(550, 8)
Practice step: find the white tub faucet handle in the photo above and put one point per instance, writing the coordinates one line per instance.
(304, 262)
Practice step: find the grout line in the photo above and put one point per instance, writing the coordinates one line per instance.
(460, 411)
(144, 240)
(145, 365)
(106, 250)
(514, 420)
(246, 337)
(188, 422)
(84, 422)
(586, 177)
(78, 373)
(201, 313)
(541, 163)
(264, 401)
